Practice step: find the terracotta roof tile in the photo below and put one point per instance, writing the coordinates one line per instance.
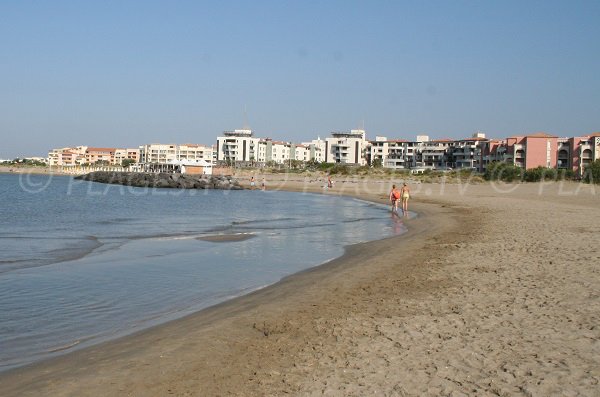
(100, 149)
(540, 135)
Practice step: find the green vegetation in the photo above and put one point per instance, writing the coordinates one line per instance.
(498, 171)
(25, 163)
(541, 174)
(127, 162)
(591, 173)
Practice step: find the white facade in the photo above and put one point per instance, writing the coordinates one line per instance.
(237, 145)
(186, 165)
(164, 153)
(346, 147)
(120, 155)
(435, 154)
(301, 153)
(280, 152)
(317, 149)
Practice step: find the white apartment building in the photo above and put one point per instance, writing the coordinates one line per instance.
(268, 150)
(301, 153)
(424, 153)
(435, 154)
(126, 154)
(391, 153)
(346, 147)
(280, 152)
(468, 153)
(168, 153)
(237, 146)
(316, 148)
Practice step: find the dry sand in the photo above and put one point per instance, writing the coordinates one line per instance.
(495, 290)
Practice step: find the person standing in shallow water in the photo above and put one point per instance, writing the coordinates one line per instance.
(394, 197)
(405, 195)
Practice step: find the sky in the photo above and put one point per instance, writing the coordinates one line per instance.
(127, 73)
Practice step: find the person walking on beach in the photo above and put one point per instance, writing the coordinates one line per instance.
(394, 197)
(263, 184)
(329, 182)
(252, 183)
(405, 194)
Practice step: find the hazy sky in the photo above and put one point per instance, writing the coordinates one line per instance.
(125, 73)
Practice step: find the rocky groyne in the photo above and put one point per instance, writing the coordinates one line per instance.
(163, 180)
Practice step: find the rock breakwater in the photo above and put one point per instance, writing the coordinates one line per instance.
(163, 180)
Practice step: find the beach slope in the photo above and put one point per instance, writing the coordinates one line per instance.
(493, 291)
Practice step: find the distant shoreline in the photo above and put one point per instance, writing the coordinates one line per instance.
(5, 169)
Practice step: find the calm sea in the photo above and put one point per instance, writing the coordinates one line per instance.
(82, 262)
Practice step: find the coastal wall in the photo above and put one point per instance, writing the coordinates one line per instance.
(163, 180)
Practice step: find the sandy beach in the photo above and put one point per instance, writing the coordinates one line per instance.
(494, 290)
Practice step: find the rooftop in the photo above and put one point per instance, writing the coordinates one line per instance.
(246, 133)
(101, 149)
(540, 135)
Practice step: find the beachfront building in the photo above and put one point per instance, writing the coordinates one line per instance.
(535, 150)
(191, 166)
(423, 153)
(300, 153)
(267, 150)
(237, 146)
(468, 153)
(346, 147)
(316, 148)
(435, 154)
(579, 152)
(158, 153)
(526, 151)
(85, 155)
(280, 152)
(390, 153)
(544, 150)
(67, 156)
(100, 155)
(126, 154)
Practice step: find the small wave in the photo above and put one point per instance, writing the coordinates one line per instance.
(226, 238)
(64, 347)
(115, 221)
(32, 238)
(358, 220)
(10, 261)
(302, 226)
(73, 250)
(255, 221)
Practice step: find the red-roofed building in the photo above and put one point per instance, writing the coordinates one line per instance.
(102, 154)
(581, 151)
(526, 151)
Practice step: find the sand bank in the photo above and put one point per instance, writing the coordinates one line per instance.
(493, 291)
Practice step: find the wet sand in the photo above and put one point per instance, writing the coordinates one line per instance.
(494, 290)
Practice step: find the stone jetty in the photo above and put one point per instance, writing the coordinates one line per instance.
(163, 180)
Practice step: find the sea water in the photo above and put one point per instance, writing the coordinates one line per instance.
(83, 262)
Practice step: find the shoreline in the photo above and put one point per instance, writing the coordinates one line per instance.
(459, 303)
(218, 312)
